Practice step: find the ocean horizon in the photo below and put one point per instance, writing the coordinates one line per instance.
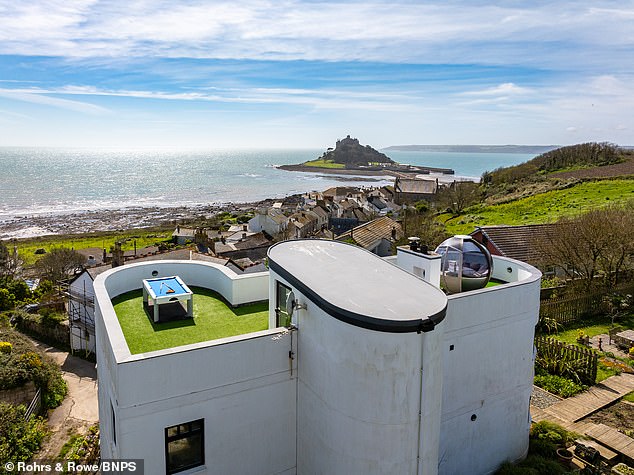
(51, 181)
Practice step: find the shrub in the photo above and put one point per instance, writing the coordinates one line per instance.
(54, 388)
(542, 466)
(24, 364)
(5, 347)
(507, 468)
(7, 300)
(542, 447)
(51, 318)
(558, 385)
(553, 433)
(19, 438)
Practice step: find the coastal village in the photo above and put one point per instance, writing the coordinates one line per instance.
(545, 342)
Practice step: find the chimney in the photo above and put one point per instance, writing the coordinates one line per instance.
(416, 259)
(117, 255)
(244, 235)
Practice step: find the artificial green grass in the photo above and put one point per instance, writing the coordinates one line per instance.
(544, 207)
(324, 164)
(213, 319)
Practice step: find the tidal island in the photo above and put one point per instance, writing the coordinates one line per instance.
(349, 157)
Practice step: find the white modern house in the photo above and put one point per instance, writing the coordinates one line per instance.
(367, 367)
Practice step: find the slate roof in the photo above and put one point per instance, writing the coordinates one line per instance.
(340, 191)
(517, 242)
(367, 235)
(408, 185)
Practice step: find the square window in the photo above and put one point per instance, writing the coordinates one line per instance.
(184, 446)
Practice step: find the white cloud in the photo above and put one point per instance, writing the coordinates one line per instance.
(290, 29)
(504, 90)
(323, 99)
(39, 97)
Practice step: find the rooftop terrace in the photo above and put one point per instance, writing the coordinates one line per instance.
(213, 319)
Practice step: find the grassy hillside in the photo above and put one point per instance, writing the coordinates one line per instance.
(324, 164)
(574, 157)
(543, 207)
(145, 237)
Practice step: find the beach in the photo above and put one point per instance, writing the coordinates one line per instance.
(30, 226)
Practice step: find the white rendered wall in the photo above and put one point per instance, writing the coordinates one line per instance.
(489, 372)
(359, 398)
(243, 387)
(412, 261)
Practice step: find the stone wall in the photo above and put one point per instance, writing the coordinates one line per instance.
(22, 395)
(58, 335)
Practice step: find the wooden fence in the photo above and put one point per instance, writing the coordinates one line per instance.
(569, 308)
(567, 360)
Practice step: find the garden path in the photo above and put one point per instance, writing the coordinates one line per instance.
(79, 410)
(598, 396)
(569, 412)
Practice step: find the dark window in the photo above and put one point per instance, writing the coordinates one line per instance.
(184, 446)
(114, 425)
(282, 316)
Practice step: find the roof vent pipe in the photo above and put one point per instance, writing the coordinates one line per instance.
(413, 243)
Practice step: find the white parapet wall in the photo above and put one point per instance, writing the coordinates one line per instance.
(242, 387)
(487, 358)
(236, 289)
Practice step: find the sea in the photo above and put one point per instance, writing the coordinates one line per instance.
(52, 181)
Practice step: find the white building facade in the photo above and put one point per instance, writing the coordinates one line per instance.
(378, 372)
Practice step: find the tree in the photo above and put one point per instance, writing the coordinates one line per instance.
(459, 195)
(425, 226)
(599, 243)
(59, 263)
(10, 263)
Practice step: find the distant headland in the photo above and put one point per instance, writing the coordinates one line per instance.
(537, 149)
(350, 157)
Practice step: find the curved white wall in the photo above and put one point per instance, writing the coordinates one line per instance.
(236, 289)
(358, 397)
(487, 356)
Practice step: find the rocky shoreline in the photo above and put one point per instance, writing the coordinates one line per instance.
(31, 226)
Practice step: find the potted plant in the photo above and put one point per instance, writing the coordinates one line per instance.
(565, 457)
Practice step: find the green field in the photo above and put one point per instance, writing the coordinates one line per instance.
(543, 208)
(213, 319)
(102, 240)
(324, 164)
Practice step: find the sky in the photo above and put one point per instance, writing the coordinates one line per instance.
(300, 74)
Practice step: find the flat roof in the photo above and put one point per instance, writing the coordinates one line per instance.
(358, 287)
